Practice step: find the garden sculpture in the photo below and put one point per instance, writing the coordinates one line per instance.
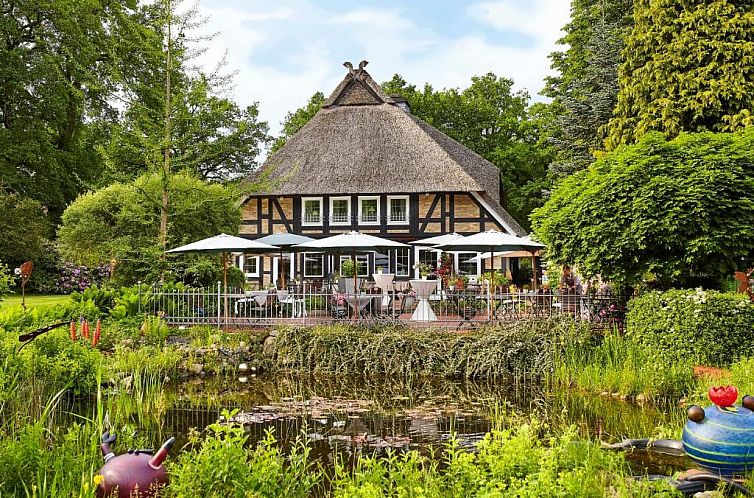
(745, 282)
(137, 473)
(718, 438)
(24, 271)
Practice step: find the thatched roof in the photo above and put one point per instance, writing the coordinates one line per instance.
(362, 142)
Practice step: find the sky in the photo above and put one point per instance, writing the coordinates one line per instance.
(286, 50)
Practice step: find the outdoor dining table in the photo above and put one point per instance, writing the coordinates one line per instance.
(424, 289)
(385, 282)
(258, 297)
(362, 300)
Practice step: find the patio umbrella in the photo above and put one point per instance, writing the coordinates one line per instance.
(354, 242)
(495, 241)
(285, 241)
(225, 244)
(438, 240)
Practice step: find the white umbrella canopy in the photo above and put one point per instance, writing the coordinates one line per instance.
(495, 241)
(439, 239)
(351, 241)
(225, 244)
(505, 254)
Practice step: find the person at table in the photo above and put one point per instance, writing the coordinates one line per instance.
(570, 288)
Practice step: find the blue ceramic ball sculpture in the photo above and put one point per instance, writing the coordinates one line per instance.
(720, 438)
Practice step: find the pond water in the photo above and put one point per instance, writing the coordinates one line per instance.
(345, 417)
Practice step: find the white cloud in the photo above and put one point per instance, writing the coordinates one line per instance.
(286, 52)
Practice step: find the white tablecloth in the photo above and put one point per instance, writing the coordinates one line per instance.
(385, 282)
(424, 289)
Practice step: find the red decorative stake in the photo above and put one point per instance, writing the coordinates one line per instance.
(97, 332)
(723, 396)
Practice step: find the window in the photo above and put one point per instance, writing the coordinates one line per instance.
(428, 257)
(369, 210)
(340, 210)
(466, 267)
(401, 262)
(250, 265)
(382, 261)
(398, 210)
(362, 261)
(312, 211)
(314, 265)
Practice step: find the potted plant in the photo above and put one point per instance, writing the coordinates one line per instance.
(347, 272)
(424, 269)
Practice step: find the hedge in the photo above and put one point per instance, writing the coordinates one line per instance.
(704, 327)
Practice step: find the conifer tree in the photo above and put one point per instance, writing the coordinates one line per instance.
(689, 66)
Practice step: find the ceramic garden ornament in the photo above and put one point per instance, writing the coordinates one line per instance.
(720, 437)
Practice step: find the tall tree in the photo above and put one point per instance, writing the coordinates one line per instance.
(61, 62)
(689, 67)
(585, 90)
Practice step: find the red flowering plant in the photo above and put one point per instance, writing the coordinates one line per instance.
(723, 396)
(445, 269)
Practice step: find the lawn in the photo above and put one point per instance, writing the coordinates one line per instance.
(35, 300)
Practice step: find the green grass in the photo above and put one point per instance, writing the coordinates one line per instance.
(35, 300)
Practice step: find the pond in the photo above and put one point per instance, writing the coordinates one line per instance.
(344, 417)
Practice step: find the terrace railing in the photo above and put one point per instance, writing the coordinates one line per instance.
(311, 304)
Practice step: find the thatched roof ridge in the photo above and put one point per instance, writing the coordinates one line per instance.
(357, 88)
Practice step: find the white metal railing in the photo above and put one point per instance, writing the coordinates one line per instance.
(398, 216)
(312, 218)
(368, 218)
(315, 303)
(340, 218)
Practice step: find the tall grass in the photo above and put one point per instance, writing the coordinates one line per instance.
(617, 366)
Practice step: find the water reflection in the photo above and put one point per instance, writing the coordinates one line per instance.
(347, 416)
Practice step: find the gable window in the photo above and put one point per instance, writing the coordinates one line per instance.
(398, 210)
(314, 265)
(340, 210)
(369, 210)
(312, 211)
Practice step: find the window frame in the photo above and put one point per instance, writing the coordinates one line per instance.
(242, 264)
(408, 262)
(304, 269)
(359, 257)
(478, 271)
(303, 211)
(348, 217)
(390, 200)
(361, 214)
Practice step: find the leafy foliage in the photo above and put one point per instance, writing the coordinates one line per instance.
(121, 222)
(687, 68)
(706, 327)
(6, 280)
(25, 229)
(680, 210)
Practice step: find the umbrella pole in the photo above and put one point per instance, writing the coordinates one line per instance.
(355, 280)
(534, 268)
(282, 273)
(225, 284)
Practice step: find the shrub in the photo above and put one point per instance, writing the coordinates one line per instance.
(707, 327)
(6, 280)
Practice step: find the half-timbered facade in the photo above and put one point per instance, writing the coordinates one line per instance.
(365, 163)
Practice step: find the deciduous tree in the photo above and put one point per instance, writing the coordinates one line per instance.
(679, 210)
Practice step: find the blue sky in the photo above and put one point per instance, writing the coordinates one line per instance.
(285, 50)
